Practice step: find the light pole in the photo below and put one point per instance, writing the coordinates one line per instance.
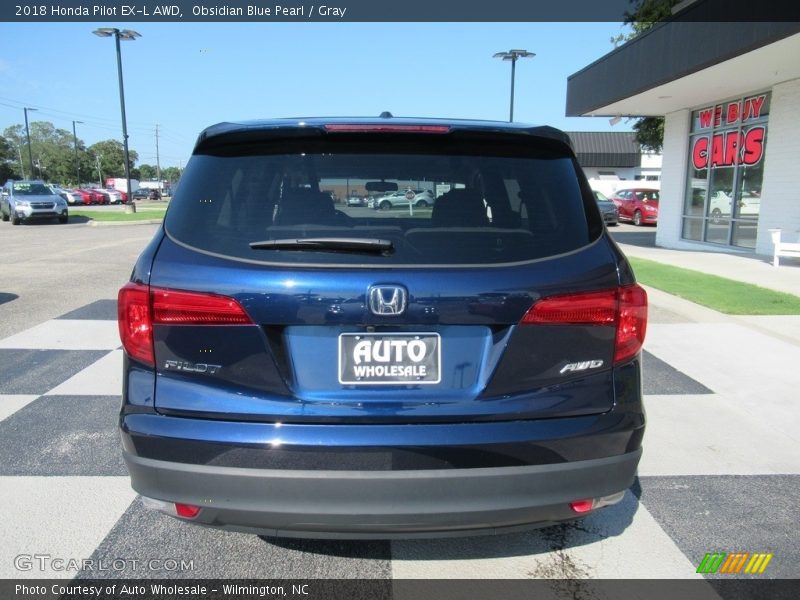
(128, 35)
(513, 55)
(77, 162)
(28, 137)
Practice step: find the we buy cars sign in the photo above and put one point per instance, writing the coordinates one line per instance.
(737, 146)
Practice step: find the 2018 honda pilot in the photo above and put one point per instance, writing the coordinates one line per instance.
(297, 367)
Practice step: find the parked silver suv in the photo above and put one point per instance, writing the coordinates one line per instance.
(31, 199)
(422, 199)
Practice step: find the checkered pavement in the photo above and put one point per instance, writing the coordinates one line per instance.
(719, 473)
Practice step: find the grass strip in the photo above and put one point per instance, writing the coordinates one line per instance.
(101, 215)
(721, 294)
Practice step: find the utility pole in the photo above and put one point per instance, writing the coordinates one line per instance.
(77, 162)
(28, 136)
(158, 162)
(99, 172)
(21, 164)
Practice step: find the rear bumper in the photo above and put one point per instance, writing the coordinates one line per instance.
(371, 480)
(382, 504)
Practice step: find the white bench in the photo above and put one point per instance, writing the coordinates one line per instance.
(783, 248)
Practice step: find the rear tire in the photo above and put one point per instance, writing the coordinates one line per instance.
(637, 218)
(5, 217)
(422, 204)
(385, 205)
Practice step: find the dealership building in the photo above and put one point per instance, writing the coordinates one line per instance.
(730, 95)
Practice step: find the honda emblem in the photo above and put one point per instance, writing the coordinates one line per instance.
(387, 299)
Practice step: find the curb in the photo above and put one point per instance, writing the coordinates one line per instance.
(93, 223)
(774, 326)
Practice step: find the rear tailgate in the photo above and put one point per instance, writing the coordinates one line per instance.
(297, 360)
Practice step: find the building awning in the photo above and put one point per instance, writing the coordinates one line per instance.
(606, 148)
(685, 63)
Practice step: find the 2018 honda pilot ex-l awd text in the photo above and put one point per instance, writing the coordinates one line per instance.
(297, 367)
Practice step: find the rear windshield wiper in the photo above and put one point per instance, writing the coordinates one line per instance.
(363, 245)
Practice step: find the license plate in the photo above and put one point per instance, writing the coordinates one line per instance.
(389, 358)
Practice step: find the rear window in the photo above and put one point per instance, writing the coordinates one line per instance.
(461, 204)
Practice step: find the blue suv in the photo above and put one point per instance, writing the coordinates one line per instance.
(299, 367)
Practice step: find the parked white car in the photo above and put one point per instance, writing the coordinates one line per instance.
(719, 206)
(71, 196)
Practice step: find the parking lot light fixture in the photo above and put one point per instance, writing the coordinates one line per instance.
(28, 138)
(127, 35)
(513, 55)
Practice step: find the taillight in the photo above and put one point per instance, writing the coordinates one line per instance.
(139, 307)
(592, 308)
(631, 322)
(135, 321)
(624, 307)
(173, 307)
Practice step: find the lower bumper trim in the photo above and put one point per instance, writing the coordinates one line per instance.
(369, 504)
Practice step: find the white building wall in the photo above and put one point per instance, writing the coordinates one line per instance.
(780, 192)
(673, 177)
(651, 161)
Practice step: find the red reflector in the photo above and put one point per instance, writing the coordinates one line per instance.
(172, 307)
(356, 127)
(135, 321)
(593, 308)
(624, 307)
(582, 506)
(187, 510)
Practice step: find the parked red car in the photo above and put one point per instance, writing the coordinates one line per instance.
(639, 205)
(87, 196)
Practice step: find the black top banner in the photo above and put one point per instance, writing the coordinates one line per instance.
(379, 10)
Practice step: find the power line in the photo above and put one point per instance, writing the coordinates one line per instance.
(56, 110)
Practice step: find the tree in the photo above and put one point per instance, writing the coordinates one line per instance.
(51, 150)
(650, 132)
(15, 137)
(9, 163)
(171, 174)
(110, 154)
(646, 14)
(147, 172)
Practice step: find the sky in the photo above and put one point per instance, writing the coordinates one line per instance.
(187, 76)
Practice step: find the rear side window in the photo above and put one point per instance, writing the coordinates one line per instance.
(423, 207)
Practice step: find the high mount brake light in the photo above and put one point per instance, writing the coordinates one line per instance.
(139, 307)
(357, 127)
(624, 307)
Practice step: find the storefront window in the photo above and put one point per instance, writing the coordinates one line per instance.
(726, 160)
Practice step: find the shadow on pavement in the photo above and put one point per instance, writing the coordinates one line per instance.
(54, 221)
(6, 297)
